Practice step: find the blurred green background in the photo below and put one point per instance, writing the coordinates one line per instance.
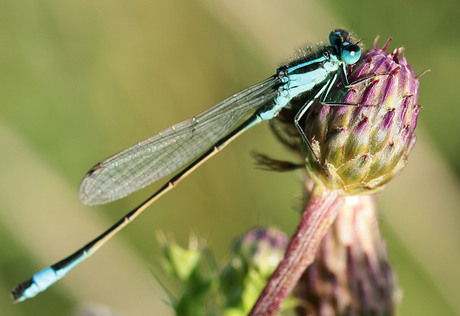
(81, 80)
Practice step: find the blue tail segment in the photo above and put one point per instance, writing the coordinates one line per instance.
(40, 281)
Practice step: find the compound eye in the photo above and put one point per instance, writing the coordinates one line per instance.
(334, 38)
(350, 53)
(337, 37)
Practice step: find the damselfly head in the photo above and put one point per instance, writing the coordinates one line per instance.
(345, 46)
(339, 36)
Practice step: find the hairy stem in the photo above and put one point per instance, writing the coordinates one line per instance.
(319, 214)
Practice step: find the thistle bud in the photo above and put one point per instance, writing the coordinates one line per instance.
(261, 249)
(255, 257)
(362, 145)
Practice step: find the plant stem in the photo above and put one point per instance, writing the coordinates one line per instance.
(319, 214)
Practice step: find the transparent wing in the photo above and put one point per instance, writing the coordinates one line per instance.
(173, 148)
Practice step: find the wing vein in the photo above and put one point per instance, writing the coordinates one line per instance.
(168, 151)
